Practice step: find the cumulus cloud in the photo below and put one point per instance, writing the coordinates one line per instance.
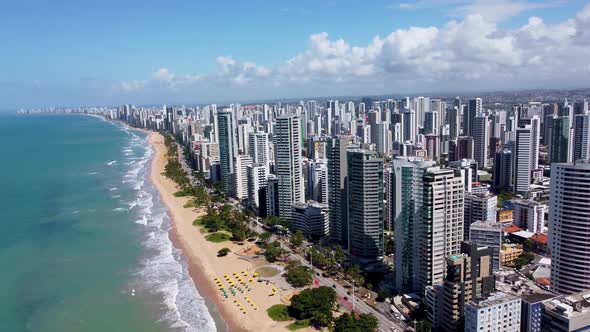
(472, 51)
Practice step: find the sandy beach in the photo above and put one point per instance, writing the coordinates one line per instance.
(205, 266)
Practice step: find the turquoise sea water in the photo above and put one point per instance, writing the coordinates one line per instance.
(84, 238)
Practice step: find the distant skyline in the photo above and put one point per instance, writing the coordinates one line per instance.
(142, 52)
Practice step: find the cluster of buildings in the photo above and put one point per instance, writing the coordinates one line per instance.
(463, 188)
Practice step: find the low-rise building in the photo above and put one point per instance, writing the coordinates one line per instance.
(567, 313)
(509, 253)
(497, 312)
(505, 216)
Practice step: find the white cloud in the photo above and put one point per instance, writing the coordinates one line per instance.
(461, 54)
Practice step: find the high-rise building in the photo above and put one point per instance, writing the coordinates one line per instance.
(454, 115)
(523, 159)
(481, 137)
(227, 147)
(488, 234)
(311, 218)
(503, 168)
(272, 196)
(474, 108)
(337, 195)
(365, 205)
(569, 221)
(441, 225)
(405, 197)
(464, 148)
(498, 312)
(316, 175)
(257, 179)
(559, 144)
(581, 137)
(288, 163)
(259, 148)
(531, 312)
(479, 207)
(239, 176)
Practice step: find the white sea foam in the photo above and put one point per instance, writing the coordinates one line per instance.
(164, 270)
(119, 209)
(92, 173)
(113, 189)
(110, 163)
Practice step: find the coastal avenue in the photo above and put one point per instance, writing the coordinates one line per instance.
(385, 324)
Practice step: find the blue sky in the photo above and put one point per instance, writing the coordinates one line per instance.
(111, 52)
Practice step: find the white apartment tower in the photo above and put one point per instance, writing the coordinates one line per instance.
(258, 148)
(288, 163)
(569, 227)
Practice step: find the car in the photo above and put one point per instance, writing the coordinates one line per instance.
(345, 298)
(348, 292)
(317, 274)
(333, 286)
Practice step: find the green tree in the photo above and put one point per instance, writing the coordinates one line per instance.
(223, 252)
(354, 272)
(297, 239)
(299, 276)
(240, 232)
(273, 252)
(315, 304)
(339, 254)
(264, 237)
(356, 323)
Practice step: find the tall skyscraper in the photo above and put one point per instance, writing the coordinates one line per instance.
(474, 108)
(569, 222)
(503, 168)
(581, 137)
(406, 197)
(257, 179)
(365, 205)
(288, 163)
(442, 223)
(337, 196)
(240, 176)
(560, 140)
(481, 137)
(454, 115)
(523, 158)
(227, 147)
(259, 148)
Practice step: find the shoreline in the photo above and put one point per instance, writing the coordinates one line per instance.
(202, 260)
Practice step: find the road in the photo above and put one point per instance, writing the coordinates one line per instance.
(385, 323)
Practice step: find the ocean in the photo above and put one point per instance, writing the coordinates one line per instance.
(84, 240)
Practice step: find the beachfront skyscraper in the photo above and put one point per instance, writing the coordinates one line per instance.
(428, 215)
(406, 194)
(365, 205)
(227, 147)
(337, 197)
(569, 224)
(441, 223)
(288, 163)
